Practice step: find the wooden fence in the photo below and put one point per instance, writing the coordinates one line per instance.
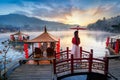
(67, 64)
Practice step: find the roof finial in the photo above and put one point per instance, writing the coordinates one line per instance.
(45, 29)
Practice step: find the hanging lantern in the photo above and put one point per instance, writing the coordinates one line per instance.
(58, 49)
(26, 50)
(117, 47)
(107, 41)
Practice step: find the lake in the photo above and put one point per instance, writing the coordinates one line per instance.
(89, 40)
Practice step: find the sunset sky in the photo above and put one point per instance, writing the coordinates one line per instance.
(82, 12)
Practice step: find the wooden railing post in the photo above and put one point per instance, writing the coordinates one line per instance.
(90, 61)
(67, 52)
(54, 65)
(106, 65)
(80, 52)
(55, 54)
(72, 63)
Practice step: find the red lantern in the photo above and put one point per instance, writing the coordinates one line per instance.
(26, 50)
(107, 41)
(117, 46)
(58, 49)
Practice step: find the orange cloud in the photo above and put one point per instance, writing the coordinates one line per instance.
(82, 17)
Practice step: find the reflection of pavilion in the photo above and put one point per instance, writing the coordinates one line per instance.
(19, 37)
(46, 45)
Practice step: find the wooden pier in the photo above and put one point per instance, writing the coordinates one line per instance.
(32, 72)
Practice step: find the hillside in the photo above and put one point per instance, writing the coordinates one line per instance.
(16, 21)
(109, 25)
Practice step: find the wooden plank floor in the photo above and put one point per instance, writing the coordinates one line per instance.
(114, 68)
(45, 71)
(32, 72)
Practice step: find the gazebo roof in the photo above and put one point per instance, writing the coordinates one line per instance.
(44, 37)
(19, 33)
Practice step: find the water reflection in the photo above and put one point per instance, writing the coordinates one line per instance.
(77, 77)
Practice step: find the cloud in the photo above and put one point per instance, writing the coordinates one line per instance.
(66, 11)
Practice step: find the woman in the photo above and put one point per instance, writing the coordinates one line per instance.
(75, 47)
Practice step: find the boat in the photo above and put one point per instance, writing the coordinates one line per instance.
(17, 40)
(113, 45)
(19, 37)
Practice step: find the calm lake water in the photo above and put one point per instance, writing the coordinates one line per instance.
(89, 40)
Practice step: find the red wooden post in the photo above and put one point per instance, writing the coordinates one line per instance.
(67, 52)
(106, 65)
(54, 64)
(80, 52)
(90, 60)
(72, 63)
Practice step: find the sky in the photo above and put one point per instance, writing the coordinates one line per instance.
(81, 12)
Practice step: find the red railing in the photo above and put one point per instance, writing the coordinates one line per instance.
(71, 65)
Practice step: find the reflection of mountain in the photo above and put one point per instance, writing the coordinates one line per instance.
(28, 23)
(99, 36)
(110, 25)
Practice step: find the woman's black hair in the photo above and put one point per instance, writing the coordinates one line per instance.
(75, 33)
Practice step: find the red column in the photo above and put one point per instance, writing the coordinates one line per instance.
(39, 45)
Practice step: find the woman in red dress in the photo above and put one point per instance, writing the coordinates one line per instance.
(75, 47)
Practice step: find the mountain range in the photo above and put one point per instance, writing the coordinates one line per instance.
(13, 22)
(23, 22)
(110, 25)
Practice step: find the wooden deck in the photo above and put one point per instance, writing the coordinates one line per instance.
(45, 71)
(32, 72)
(114, 69)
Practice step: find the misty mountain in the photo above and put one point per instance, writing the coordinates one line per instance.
(29, 23)
(110, 25)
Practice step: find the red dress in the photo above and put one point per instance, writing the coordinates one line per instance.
(75, 47)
